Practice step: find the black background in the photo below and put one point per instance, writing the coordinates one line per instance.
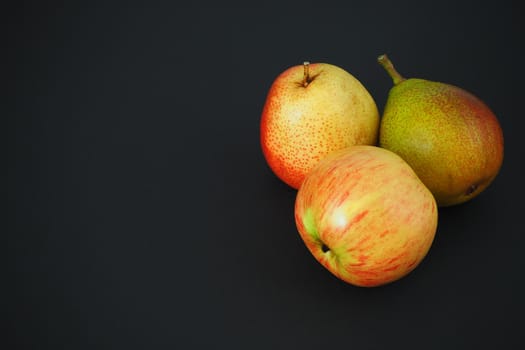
(142, 214)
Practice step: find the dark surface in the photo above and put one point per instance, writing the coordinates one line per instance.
(142, 214)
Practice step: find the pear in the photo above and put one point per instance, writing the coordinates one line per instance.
(312, 110)
(451, 139)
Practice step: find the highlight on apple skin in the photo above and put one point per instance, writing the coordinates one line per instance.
(365, 216)
(310, 111)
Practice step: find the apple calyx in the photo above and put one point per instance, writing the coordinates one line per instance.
(385, 62)
(324, 247)
(311, 228)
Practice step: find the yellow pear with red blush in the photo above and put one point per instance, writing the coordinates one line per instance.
(310, 111)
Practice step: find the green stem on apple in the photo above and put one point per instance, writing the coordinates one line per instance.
(306, 75)
(385, 62)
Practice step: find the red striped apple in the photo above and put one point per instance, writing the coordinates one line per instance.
(365, 216)
(310, 111)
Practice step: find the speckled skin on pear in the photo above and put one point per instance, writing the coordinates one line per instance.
(301, 125)
(451, 139)
(365, 216)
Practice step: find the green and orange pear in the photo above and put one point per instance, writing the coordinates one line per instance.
(451, 139)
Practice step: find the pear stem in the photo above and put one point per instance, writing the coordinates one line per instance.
(306, 75)
(385, 62)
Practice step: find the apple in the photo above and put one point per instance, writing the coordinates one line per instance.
(310, 111)
(365, 215)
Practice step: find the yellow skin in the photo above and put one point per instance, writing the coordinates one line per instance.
(448, 136)
(311, 111)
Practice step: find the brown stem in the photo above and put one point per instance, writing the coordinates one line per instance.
(389, 67)
(306, 75)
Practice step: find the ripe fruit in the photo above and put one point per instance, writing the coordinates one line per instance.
(365, 216)
(449, 137)
(311, 111)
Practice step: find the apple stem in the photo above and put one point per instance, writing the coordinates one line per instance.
(385, 62)
(306, 76)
